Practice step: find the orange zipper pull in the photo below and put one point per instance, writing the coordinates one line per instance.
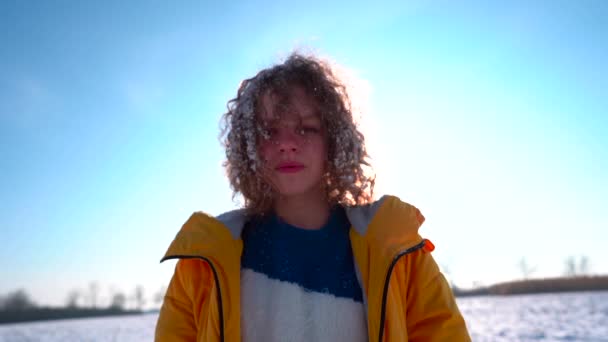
(428, 246)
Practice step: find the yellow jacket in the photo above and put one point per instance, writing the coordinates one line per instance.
(406, 297)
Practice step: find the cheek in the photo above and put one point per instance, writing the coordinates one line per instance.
(319, 151)
(265, 151)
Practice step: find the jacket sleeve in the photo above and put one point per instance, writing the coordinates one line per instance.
(431, 310)
(176, 320)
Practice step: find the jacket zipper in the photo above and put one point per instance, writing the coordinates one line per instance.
(388, 278)
(217, 285)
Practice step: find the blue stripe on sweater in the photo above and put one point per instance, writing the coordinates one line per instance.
(317, 260)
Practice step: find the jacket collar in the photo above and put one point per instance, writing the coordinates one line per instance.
(387, 222)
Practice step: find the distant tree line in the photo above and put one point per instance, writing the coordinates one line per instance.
(547, 285)
(576, 266)
(17, 306)
(117, 299)
(573, 267)
(17, 300)
(576, 278)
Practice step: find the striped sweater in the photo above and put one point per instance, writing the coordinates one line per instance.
(298, 284)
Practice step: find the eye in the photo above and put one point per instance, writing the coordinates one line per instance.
(268, 132)
(308, 130)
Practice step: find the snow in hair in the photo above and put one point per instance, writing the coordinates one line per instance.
(348, 181)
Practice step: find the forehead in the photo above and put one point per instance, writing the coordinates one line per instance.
(295, 103)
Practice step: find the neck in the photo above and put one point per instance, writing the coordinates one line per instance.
(309, 211)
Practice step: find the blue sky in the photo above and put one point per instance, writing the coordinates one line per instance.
(492, 119)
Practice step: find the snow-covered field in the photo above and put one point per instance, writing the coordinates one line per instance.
(543, 317)
(546, 317)
(138, 328)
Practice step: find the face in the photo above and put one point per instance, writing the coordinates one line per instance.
(293, 143)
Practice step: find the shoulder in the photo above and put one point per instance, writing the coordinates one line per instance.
(230, 222)
(388, 211)
(394, 209)
(203, 233)
(388, 220)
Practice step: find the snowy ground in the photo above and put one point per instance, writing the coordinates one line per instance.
(138, 328)
(547, 317)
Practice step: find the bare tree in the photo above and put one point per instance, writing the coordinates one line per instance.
(574, 268)
(583, 266)
(17, 301)
(72, 299)
(160, 295)
(139, 297)
(570, 267)
(93, 292)
(525, 268)
(118, 301)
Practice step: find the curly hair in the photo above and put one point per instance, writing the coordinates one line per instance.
(345, 180)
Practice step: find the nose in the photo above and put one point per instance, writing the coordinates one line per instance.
(287, 140)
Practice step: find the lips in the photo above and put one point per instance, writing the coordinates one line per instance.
(289, 167)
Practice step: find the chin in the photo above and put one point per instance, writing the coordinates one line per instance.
(292, 190)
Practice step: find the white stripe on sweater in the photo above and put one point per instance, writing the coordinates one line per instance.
(274, 310)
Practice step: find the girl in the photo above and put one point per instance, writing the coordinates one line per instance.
(310, 256)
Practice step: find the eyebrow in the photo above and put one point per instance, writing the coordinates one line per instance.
(309, 118)
(306, 119)
(313, 114)
(282, 104)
